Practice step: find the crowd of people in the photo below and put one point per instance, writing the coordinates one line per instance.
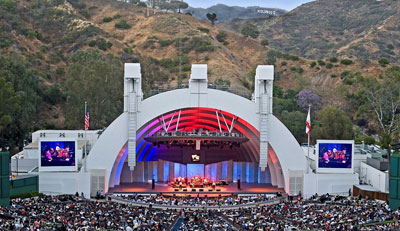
(217, 201)
(318, 213)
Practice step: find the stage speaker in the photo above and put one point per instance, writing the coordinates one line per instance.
(153, 184)
(185, 190)
(193, 190)
(218, 190)
(176, 190)
(201, 190)
(210, 189)
(238, 183)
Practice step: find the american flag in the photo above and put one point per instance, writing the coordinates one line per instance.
(87, 117)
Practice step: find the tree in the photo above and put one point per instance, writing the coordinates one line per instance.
(294, 121)
(264, 42)
(383, 104)
(9, 103)
(179, 5)
(98, 80)
(250, 30)
(333, 124)
(212, 17)
(307, 97)
(26, 85)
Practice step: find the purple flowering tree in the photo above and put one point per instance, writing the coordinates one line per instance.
(307, 97)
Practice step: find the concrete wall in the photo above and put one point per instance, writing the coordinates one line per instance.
(328, 183)
(55, 183)
(374, 177)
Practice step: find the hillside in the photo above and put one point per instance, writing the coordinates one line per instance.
(227, 13)
(362, 29)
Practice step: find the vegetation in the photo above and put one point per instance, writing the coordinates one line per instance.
(264, 42)
(383, 62)
(107, 19)
(250, 30)
(122, 24)
(212, 17)
(346, 61)
(221, 36)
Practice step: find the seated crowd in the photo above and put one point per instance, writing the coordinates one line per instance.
(198, 201)
(318, 213)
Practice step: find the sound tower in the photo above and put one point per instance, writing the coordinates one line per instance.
(238, 183)
(153, 184)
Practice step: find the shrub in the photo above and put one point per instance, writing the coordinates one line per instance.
(346, 61)
(92, 43)
(31, 34)
(60, 71)
(128, 50)
(206, 58)
(284, 63)
(313, 63)
(329, 65)
(122, 25)
(101, 44)
(333, 76)
(165, 43)
(107, 19)
(85, 13)
(142, 4)
(294, 57)
(264, 42)
(344, 74)
(221, 36)
(226, 43)
(383, 62)
(321, 62)
(203, 29)
(117, 16)
(333, 59)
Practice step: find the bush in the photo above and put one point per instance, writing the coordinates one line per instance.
(128, 50)
(284, 63)
(165, 43)
(203, 29)
(92, 43)
(85, 13)
(206, 58)
(333, 59)
(142, 4)
(333, 76)
(221, 36)
(122, 25)
(107, 19)
(117, 16)
(27, 195)
(383, 62)
(321, 62)
(344, 74)
(346, 61)
(313, 63)
(329, 65)
(60, 71)
(294, 58)
(101, 44)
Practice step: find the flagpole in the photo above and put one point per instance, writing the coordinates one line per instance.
(85, 147)
(308, 144)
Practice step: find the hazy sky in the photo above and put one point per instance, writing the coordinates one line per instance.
(283, 4)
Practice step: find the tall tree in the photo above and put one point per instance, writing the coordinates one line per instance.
(98, 80)
(180, 5)
(9, 102)
(333, 124)
(14, 70)
(383, 99)
(307, 97)
(212, 17)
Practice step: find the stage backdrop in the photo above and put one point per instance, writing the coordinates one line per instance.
(195, 170)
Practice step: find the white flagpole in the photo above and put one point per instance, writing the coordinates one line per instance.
(308, 143)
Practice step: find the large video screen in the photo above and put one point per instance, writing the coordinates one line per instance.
(335, 155)
(57, 154)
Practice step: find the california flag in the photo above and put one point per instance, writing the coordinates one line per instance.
(308, 123)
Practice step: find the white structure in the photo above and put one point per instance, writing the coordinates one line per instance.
(272, 154)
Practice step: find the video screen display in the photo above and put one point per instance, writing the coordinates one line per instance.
(57, 153)
(334, 155)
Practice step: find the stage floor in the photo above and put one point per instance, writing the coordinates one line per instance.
(225, 189)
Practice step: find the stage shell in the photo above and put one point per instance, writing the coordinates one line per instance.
(281, 154)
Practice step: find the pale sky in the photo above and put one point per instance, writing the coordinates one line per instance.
(283, 4)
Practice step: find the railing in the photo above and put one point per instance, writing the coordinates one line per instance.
(199, 207)
(235, 91)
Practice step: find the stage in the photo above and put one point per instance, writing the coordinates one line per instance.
(245, 188)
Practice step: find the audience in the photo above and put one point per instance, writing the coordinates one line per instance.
(318, 213)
